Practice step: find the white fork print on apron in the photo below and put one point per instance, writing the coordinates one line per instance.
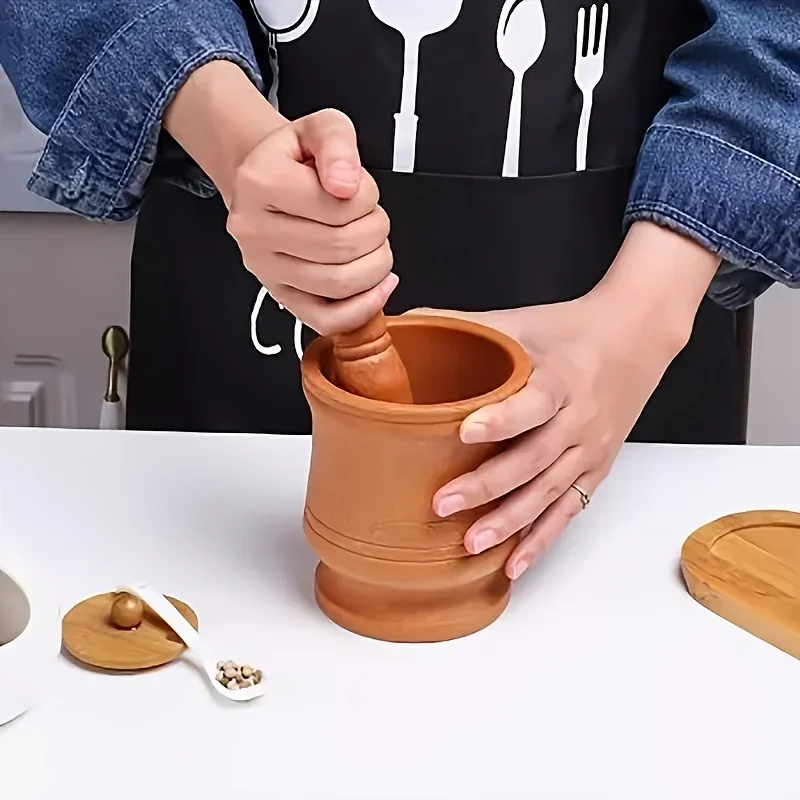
(590, 55)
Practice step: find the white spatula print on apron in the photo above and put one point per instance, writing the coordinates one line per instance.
(590, 55)
(521, 34)
(283, 21)
(414, 20)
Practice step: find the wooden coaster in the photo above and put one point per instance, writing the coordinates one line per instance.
(746, 568)
(89, 635)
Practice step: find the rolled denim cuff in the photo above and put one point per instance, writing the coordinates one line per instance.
(730, 201)
(104, 145)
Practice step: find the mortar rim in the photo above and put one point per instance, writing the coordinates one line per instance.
(319, 389)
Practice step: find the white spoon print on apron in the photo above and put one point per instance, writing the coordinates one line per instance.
(521, 34)
(414, 20)
(590, 57)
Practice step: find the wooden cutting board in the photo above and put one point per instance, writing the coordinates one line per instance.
(746, 568)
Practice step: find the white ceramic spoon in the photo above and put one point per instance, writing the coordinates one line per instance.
(521, 34)
(414, 20)
(192, 639)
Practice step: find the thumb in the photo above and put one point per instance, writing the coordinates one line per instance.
(329, 138)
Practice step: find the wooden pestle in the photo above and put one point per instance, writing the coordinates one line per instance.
(367, 363)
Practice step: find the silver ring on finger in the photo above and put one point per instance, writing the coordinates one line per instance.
(586, 498)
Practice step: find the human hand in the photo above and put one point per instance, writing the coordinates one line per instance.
(301, 208)
(305, 215)
(596, 362)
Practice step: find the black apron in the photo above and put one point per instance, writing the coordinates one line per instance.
(477, 223)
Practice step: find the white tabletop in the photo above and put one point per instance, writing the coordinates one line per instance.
(604, 679)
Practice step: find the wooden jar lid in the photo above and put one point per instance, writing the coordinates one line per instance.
(746, 568)
(89, 635)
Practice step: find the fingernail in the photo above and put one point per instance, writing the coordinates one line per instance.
(343, 172)
(473, 431)
(480, 541)
(450, 505)
(518, 567)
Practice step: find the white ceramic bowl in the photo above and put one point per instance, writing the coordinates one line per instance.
(30, 636)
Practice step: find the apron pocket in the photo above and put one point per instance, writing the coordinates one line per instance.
(482, 243)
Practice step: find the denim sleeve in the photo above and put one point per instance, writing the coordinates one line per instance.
(721, 160)
(97, 76)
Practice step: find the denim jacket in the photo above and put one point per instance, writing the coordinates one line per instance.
(720, 163)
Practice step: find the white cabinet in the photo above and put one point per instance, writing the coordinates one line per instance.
(63, 281)
(38, 392)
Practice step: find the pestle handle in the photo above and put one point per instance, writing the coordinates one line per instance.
(367, 363)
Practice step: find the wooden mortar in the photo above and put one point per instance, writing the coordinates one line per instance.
(390, 568)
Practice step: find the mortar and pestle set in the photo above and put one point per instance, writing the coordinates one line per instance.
(387, 403)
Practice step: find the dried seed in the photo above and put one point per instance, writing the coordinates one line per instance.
(235, 677)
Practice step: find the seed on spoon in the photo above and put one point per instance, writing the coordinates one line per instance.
(234, 677)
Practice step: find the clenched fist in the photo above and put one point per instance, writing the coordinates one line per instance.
(305, 215)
